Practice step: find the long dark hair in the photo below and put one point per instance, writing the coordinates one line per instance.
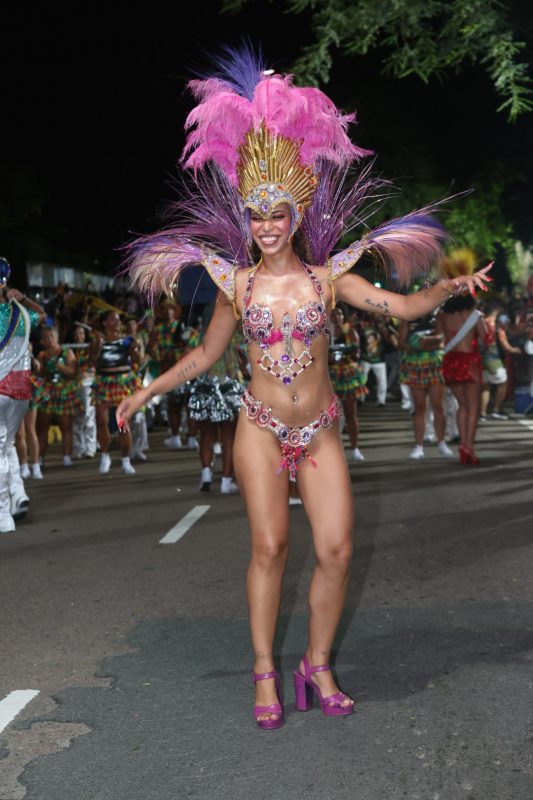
(461, 302)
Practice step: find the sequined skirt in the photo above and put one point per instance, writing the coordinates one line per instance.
(461, 367)
(215, 399)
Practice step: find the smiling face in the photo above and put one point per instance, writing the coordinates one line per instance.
(272, 234)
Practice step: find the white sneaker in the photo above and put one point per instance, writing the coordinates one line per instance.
(444, 450)
(7, 523)
(206, 480)
(25, 472)
(105, 463)
(295, 501)
(67, 461)
(174, 442)
(192, 443)
(217, 449)
(19, 506)
(36, 472)
(228, 486)
(357, 454)
(430, 438)
(417, 452)
(406, 405)
(127, 466)
(138, 455)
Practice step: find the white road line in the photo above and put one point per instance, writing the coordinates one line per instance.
(181, 527)
(13, 704)
(526, 423)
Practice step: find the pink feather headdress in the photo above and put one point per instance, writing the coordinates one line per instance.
(255, 141)
(268, 136)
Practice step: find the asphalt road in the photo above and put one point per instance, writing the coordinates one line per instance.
(140, 654)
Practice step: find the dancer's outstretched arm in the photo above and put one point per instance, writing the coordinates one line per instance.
(358, 292)
(198, 360)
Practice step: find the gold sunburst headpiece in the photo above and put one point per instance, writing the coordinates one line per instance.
(459, 261)
(270, 173)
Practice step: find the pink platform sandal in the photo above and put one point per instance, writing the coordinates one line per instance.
(275, 708)
(305, 686)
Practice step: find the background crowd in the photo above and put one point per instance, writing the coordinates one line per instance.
(451, 371)
(75, 390)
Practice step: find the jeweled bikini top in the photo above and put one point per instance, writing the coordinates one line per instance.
(258, 327)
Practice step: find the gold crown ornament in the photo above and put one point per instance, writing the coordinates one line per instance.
(270, 173)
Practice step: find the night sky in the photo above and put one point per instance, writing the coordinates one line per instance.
(94, 105)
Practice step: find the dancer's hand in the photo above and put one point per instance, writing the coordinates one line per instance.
(468, 283)
(128, 408)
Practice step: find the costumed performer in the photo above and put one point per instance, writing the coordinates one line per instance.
(60, 391)
(263, 216)
(421, 369)
(18, 314)
(347, 378)
(115, 358)
(464, 331)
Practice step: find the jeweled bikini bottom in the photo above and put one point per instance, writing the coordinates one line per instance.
(294, 442)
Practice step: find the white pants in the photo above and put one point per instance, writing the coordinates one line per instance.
(84, 425)
(380, 371)
(450, 412)
(11, 485)
(139, 433)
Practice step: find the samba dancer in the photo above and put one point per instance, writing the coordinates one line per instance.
(267, 204)
(18, 314)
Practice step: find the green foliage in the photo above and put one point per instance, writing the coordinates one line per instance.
(420, 37)
(476, 220)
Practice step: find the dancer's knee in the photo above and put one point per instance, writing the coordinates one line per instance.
(336, 555)
(269, 552)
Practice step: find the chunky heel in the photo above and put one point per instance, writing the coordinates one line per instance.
(303, 694)
(305, 687)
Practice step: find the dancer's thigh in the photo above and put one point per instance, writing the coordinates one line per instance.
(326, 492)
(256, 457)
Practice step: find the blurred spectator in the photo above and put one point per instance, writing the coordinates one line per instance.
(421, 370)
(347, 377)
(115, 358)
(60, 397)
(84, 425)
(376, 334)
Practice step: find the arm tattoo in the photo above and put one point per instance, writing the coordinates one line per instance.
(186, 370)
(383, 307)
(182, 375)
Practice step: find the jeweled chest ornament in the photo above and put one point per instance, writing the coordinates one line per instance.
(288, 366)
(258, 326)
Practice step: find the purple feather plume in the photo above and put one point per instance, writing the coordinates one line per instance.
(343, 201)
(208, 215)
(408, 246)
(241, 68)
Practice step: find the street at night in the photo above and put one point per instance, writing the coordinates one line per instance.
(262, 261)
(139, 651)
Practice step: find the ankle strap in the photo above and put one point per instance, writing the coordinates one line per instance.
(309, 669)
(263, 676)
(321, 668)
